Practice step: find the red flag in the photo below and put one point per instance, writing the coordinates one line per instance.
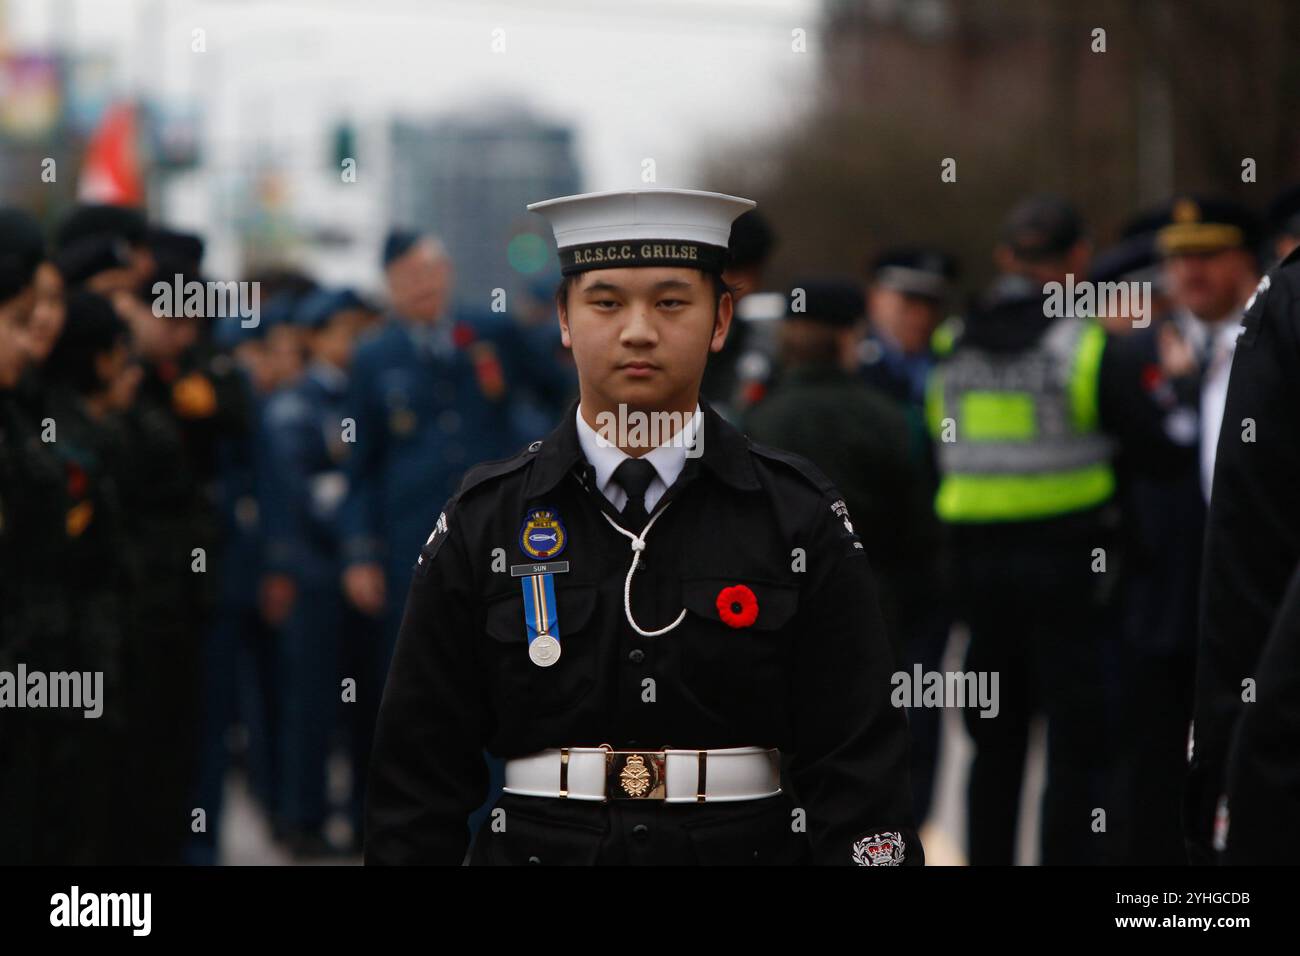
(111, 173)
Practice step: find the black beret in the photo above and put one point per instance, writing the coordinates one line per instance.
(1042, 227)
(89, 256)
(181, 248)
(915, 270)
(398, 243)
(836, 302)
(120, 222)
(92, 328)
(1201, 224)
(751, 241)
(22, 248)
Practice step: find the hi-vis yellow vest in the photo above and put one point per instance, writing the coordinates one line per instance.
(1023, 442)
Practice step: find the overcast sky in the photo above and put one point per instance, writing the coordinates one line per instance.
(636, 78)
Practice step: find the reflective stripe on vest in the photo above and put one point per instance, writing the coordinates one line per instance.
(1025, 443)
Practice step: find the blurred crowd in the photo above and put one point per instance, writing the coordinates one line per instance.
(220, 512)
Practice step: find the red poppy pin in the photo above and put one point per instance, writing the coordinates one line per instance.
(462, 334)
(737, 606)
(77, 481)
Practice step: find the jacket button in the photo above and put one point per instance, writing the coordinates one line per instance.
(534, 859)
(636, 655)
(640, 831)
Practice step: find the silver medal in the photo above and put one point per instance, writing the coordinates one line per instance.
(544, 650)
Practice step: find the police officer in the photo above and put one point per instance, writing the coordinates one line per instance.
(1246, 657)
(643, 619)
(1025, 407)
(907, 294)
(1211, 268)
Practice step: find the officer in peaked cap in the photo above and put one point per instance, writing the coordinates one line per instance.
(907, 293)
(644, 612)
(1211, 268)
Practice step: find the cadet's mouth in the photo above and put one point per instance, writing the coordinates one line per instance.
(639, 368)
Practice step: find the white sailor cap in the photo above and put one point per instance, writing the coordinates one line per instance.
(642, 227)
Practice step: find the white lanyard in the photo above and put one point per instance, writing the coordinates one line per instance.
(638, 545)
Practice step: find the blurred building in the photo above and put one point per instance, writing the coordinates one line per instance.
(468, 181)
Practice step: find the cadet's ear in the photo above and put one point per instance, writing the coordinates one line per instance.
(562, 311)
(721, 322)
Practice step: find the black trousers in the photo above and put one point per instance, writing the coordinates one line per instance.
(1037, 617)
(544, 831)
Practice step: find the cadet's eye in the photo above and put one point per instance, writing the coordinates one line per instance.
(606, 303)
(671, 303)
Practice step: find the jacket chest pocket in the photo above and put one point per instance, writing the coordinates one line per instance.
(735, 641)
(561, 685)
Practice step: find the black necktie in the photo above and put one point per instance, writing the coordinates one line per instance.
(634, 477)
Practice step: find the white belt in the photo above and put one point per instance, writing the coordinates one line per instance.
(674, 776)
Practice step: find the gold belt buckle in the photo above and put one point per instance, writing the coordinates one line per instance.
(635, 774)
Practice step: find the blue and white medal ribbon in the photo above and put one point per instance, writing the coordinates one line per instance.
(541, 620)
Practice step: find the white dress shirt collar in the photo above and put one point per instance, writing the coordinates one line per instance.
(668, 459)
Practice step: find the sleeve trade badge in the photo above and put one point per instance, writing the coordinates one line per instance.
(543, 536)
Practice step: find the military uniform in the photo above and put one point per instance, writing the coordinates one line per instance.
(35, 627)
(1252, 546)
(644, 671)
(426, 408)
(306, 454)
(167, 520)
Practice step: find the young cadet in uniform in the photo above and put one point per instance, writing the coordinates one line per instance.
(643, 629)
(306, 451)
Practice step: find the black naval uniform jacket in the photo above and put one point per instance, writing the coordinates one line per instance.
(1252, 548)
(810, 676)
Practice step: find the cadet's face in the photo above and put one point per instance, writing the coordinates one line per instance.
(640, 337)
(253, 357)
(284, 350)
(48, 315)
(334, 342)
(15, 342)
(118, 375)
(1210, 285)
